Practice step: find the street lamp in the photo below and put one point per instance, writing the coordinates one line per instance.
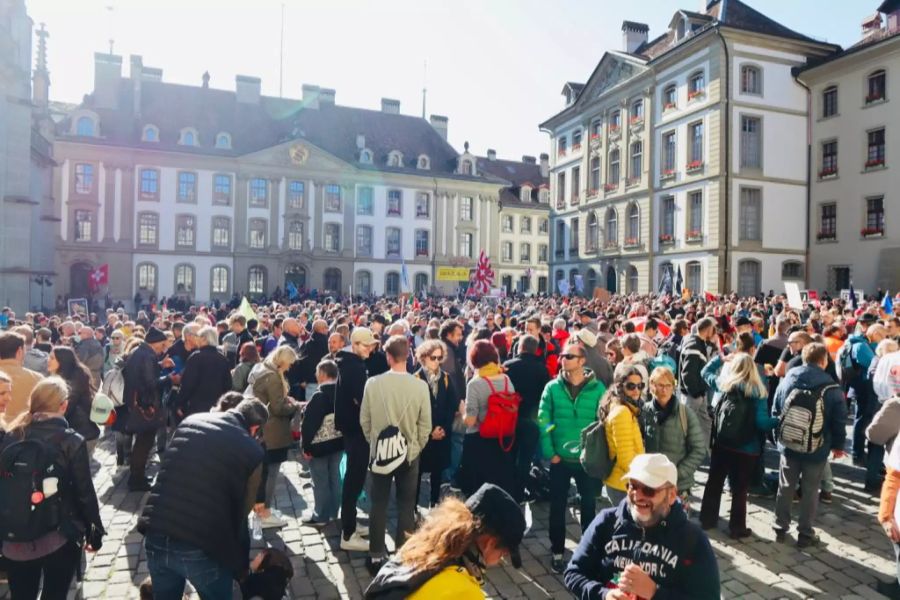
(43, 281)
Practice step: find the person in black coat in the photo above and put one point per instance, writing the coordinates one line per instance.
(55, 555)
(206, 487)
(529, 375)
(322, 446)
(290, 336)
(310, 355)
(206, 375)
(435, 455)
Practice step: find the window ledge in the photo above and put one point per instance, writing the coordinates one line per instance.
(827, 241)
(832, 177)
(828, 118)
(874, 169)
(694, 240)
(873, 236)
(874, 103)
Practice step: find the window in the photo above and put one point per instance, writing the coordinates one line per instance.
(188, 138)
(542, 284)
(148, 229)
(633, 279)
(637, 111)
(875, 156)
(596, 129)
(84, 225)
(333, 198)
(507, 223)
(694, 277)
(365, 157)
(392, 284)
(615, 121)
(223, 141)
(363, 240)
(750, 217)
(667, 220)
(573, 236)
(751, 148)
(695, 135)
(576, 139)
(466, 167)
(465, 208)
(184, 279)
(395, 159)
(221, 232)
(695, 216)
(423, 205)
(829, 158)
(394, 203)
(185, 231)
(219, 279)
(543, 253)
(561, 144)
(576, 184)
(593, 233)
(670, 97)
(259, 192)
(332, 237)
(187, 186)
(544, 226)
(149, 184)
(147, 276)
(256, 280)
(332, 279)
(751, 80)
(637, 161)
(85, 127)
(423, 162)
(524, 253)
(876, 88)
(257, 234)
(295, 235)
(560, 237)
(506, 252)
(84, 178)
(668, 151)
(613, 174)
(295, 194)
(696, 85)
(421, 241)
(150, 134)
(365, 204)
(465, 245)
(560, 190)
(828, 221)
(749, 278)
(874, 216)
(830, 102)
(363, 283)
(595, 175)
(612, 228)
(634, 224)
(392, 242)
(420, 283)
(222, 189)
(792, 269)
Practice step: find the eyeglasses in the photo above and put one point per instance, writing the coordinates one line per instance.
(664, 386)
(633, 386)
(438, 357)
(570, 356)
(645, 490)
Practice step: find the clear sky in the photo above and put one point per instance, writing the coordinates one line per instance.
(495, 67)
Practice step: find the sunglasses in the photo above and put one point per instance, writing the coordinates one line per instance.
(633, 386)
(439, 357)
(570, 356)
(645, 490)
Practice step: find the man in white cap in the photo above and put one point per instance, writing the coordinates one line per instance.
(645, 547)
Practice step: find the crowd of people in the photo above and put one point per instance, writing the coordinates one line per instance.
(491, 405)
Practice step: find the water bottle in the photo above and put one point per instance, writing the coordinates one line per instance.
(256, 526)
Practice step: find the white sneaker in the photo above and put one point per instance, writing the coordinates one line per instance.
(362, 530)
(273, 522)
(355, 544)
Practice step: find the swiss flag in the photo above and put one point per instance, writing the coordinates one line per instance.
(710, 297)
(99, 277)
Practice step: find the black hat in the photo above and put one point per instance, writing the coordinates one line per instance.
(741, 321)
(154, 335)
(501, 516)
(867, 317)
(588, 313)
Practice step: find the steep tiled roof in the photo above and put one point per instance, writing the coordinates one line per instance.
(518, 174)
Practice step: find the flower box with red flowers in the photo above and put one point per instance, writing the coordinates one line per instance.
(637, 119)
(696, 94)
(667, 174)
(595, 136)
(592, 192)
(828, 172)
(872, 231)
(694, 165)
(825, 236)
(614, 130)
(632, 242)
(561, 152)
(610, 187)
(610, 245)
(875, 162)
(694, 235)
(669, 106)
(874, 97)
(666, 238)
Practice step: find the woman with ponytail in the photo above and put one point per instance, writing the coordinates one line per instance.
(619, 411)
(64, 362)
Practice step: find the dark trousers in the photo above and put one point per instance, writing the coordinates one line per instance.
(57, 568)
(435, 491)
(406, 478)
(866, 407)
(172, 562)
(738, 467)
(484, 461)
(528, 436)
(357, 449)
(561, 475)
(140, 453)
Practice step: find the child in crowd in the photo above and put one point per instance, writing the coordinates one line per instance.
(322, 445)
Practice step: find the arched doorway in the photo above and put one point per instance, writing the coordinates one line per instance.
(332, 280)
(79, 280)
(294, 275)
(611, 279)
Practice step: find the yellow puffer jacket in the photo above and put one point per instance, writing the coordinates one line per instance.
(623, 437)
(453, 583)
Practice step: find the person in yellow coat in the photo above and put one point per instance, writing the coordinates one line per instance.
(445, 558)
(619, 411)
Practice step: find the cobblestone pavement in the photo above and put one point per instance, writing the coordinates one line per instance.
(856, 551)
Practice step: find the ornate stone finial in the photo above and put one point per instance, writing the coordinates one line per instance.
(205, 79)
(466, 146)
(42, 35)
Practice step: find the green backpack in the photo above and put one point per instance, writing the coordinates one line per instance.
(595, 459)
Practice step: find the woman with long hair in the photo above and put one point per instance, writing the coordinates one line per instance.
(446, 557)
(64, 362)
(55, 554)
(619, 412)
(741, 382)
(248, 356)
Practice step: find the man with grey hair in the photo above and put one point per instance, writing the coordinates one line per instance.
(35, 359)
(206, 375)
(90, 352)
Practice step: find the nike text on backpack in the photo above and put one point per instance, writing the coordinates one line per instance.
(802, 424)
(735, 418)
(114, 385)
(847, 368)
(391, 447)
(30, 505)
(595, 458)
(502, 414)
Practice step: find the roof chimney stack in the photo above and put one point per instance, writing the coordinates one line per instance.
(529, 159)
(326, 96)
(247, 89)
(545, 165)
(107, 74)
(390, 106)
(491, 154)
(439, 123)
(311, 95)
(633, 35)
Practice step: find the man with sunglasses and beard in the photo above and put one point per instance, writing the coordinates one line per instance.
(645, 547)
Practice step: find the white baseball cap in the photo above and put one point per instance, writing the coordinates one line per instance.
(101, 408)
(654, 470)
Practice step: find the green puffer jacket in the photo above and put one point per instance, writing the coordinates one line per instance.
(686, 450)
(561, 418)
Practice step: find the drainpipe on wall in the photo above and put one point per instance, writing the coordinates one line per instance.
(809, 124)
(727, 265)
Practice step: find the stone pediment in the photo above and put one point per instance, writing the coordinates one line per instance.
(613, 70)
(298, 154)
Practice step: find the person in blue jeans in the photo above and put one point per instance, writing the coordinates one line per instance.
(323, 446)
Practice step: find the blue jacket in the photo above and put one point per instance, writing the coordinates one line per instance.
(676, 554)
(808, 377)
(862, 353)
(764, 422)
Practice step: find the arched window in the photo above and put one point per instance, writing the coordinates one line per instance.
(188, 137)
(85, 126)
(593, 233)
(666, 278)
(295, 275)
(392, 284)
(295, 235)
(590, 282)
(751, 80)
(184, 279)
(395, 159)
(219, 280)
(634, 223)
(150, 134)
(363, 283)
(749, 281)
(223, 141)
(420, 283)
(573, 273)
(256, 280)
(423, 162)
(146, 277)
(612, 228)
(632, 279)
(332, 280)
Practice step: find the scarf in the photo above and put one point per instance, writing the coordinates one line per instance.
(433, 380)
(490, 370)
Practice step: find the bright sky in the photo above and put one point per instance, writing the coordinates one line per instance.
(495, 67)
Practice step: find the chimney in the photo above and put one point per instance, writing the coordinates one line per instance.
(545, 165)
(529, 159)
(360, 141)
(390, 106)
(311, 95)
(326, 96)
(492, 154)
(871, 24)
(247, 89)
(633, 35)
(439, 123)
(107, 75)
(137, 75)
(152, 74)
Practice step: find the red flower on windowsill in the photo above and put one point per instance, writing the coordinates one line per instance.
(874, 97)
(694, 234)
(614, 129)
(872, 231)
(695, 165)
(576, 147)
(632, 242)
(592, 192)
(696, 94)
(669, 106)
(609, 187)
(666, 238)
(667, 174)
(637, 119)
(595, 136)
(561, 152)
(875, 162)
(828, 172)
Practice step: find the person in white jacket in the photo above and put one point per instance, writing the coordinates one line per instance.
(886, 379)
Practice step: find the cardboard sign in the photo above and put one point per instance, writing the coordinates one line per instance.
(78, 307)
(793, 294)
(601, 294)
(860, 295)
(452, 273)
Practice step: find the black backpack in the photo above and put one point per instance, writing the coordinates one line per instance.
(26, 514)
(801, 427)
(735, 418)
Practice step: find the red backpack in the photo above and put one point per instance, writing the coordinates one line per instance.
(502, 414)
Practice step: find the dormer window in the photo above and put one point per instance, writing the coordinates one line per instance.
(150, 134)
(86, 126)
(465, 167)
(423, 162)
(188, 137)
(365, 157)
(223, 141)
(525, 193)
(395, 159)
